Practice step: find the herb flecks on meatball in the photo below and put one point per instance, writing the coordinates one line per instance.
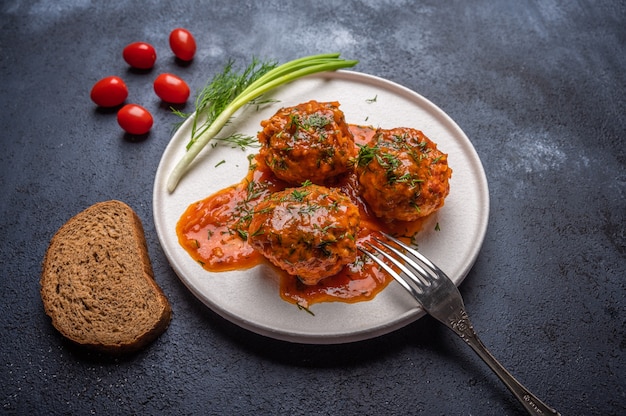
(309, 231)
(310, 141)
(402, 174)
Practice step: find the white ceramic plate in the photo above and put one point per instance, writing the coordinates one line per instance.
(250, 298)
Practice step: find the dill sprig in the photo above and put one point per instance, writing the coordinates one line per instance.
(220, 92)
(239, 140)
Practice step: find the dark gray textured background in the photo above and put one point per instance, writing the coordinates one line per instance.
(538, 86)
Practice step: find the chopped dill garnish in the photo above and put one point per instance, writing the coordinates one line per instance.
(304, 308)
(299, 194)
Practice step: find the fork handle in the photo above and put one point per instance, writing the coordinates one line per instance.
(462, 326)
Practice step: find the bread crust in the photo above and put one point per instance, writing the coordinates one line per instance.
(97, 283)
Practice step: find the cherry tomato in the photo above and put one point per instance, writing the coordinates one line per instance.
(134, 119)
(171, 88)
(183, 44)
(140, 55)
(109, 92)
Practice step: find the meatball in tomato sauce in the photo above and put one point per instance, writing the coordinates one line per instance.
(402, 174)
(310, 141)
(309, 231)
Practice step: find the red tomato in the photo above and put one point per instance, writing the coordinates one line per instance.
(134, 119)
(140, 55)
(109, 92)
(171, 88)
(183, 44)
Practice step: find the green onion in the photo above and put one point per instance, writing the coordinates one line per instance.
(259, 85)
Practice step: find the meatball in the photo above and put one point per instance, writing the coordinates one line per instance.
(402, 175)
(310, 141)
(309, 231)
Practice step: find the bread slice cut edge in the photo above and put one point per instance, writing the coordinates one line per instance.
(97, 283)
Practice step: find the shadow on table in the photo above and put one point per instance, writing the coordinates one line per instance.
(424, 334)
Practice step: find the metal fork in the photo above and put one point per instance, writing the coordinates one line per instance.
(441, 299)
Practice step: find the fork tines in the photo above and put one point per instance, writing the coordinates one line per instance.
(409, 263)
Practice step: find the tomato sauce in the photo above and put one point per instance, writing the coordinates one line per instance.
(213, 231)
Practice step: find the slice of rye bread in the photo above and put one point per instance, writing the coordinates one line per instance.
(97, 283)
